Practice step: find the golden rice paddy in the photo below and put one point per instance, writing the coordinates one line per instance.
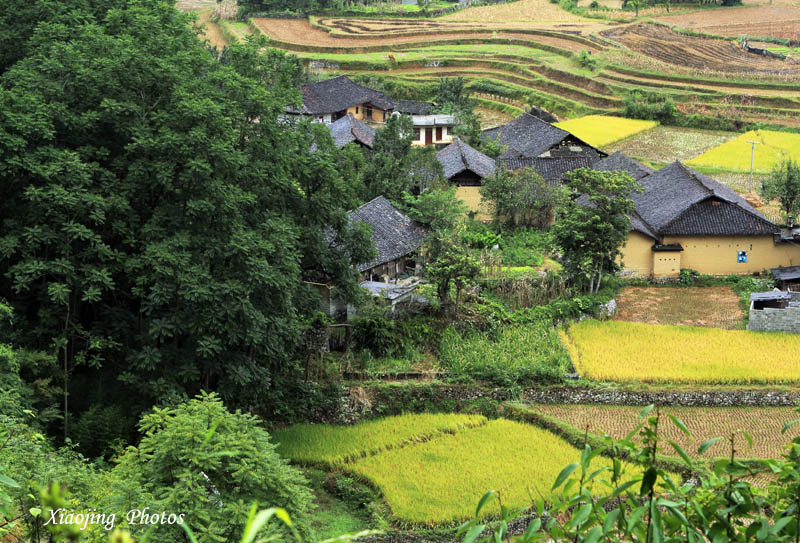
(631, 351)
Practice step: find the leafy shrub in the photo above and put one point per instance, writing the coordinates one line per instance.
(102, 430)
(480, 236)
(524, 247)
(185, 463)
(585, 60)
(373, 331)
(688, 277)
(649, 105)
(519, 354)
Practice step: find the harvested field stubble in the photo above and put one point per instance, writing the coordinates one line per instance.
(763, 424)
(668, 143)
(317, 443)
(776, 21)
(719, 55)
(441, 480)
(715, 307)
(632, 351)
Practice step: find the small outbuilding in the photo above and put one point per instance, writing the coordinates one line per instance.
(787, 278)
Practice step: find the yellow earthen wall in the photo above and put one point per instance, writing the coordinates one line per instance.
(471, 196)
(716, 255)
(377, 114)
(637, 256)
(666, 263)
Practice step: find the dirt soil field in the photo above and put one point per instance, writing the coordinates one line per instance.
(350, 33)
(781, 21)
(195, 5)
(712, 307)
(763, 424)
(212, 32)
(668, 143)
(702, 53)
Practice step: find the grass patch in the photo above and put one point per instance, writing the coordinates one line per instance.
(322, 444)
(442, 480)
(735, 155)
(631, 351)
(763, 424)
(715, 307)
(602, 130)
(512, 355)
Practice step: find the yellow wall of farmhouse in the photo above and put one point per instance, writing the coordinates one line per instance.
(716, 255)
(637, 256)
(471, 196)
(667, 263)
(709, 255)
(378, 115)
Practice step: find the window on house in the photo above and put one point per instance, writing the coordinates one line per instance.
(356, 110)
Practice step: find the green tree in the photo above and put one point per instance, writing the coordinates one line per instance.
(784, 185)
(387, 172)
(157, 218)
(592, 229)
(438, 209)
(521, 197)
(212, 464)
(452, 97)
(451, 264)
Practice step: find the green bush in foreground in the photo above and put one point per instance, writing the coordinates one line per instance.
(718, 505)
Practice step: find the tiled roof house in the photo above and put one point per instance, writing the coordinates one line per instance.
(684, 219)
(394, 235)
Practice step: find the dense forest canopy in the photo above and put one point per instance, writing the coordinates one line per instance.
(158, 218)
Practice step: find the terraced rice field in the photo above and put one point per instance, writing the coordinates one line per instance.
(314, 443)
(442, 480)
(515, 63)
(632, 351)
(735, 155)
(701, 53)
(665, 144)
(776, 21)
(603, 130)
(763, 424)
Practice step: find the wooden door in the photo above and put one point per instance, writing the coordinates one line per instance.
(438, 133)
(428, 136)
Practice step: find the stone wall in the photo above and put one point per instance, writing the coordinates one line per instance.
(776, 320)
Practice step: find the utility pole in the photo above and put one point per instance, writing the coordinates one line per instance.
(752, 157)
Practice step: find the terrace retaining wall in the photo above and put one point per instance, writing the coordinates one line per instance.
(362, 402)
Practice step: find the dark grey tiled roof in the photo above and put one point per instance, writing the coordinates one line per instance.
(622, 162)
(528, 137)
(413, 107)
(458, 156)
(338, 93)
(393, 233)
(349, 129)
(718, 217)
(551, 169)
(788, 273)
(672, 190)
